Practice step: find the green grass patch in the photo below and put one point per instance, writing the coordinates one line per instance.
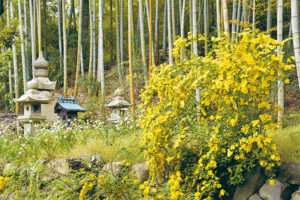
(112, 148)
(288, 143)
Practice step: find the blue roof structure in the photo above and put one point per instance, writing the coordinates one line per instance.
(69, 104)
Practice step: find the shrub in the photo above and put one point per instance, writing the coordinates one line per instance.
(214, 142)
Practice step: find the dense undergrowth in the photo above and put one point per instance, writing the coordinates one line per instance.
(194, 149)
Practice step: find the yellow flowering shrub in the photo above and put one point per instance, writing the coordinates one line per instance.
(214, 142)
(3, 181)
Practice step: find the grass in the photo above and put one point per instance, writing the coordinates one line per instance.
(113, 148)
(288, 140)
(59, 141)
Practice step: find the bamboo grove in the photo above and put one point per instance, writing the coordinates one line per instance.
(85, 38)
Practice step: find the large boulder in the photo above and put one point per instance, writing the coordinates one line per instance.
(8, 169)
(92, 159)
(113, 168)
(255, 197)
(140, 171)
(254, 180)
(59, 166)
(75, 163)
(290, 172)
(271, 191)
(296, 195)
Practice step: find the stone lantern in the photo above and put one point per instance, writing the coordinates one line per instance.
(118, 105)
(38, 93)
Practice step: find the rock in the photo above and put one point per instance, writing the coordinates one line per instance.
(290, 172)
(140, 171)
(75, 163)
(255, 197)
(6, 196)
(254, 181)
(59, 166)
(8, 169)
(271, 192)
(90, 159)
(287, 191)
(296, 195)
(113, 168)
(293, 172)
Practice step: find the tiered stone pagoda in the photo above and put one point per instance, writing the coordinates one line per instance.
(38, 92)
(118, 105)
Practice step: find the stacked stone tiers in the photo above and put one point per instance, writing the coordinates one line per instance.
(40, 87)
(38, 92)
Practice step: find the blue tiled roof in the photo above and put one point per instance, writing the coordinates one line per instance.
(69, 104)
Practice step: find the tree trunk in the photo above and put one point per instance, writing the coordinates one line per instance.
(9, 62)
(182, 29)
(38, 8)
(191, 20)
(94, 40)
(233, 20)
(45, 29)
(118, 41)
(206, 26)
(150, 38)
(149, 20)
(65, 50)
(194, 31)
(195, 47)
(130, 57)
(32, 36)
(121, 35)
(81, 66)
(245, 9)
(70, 17)
(280, 83)
(165, 27)
(22, 46)
(238, 19)
(111, 34)
(78, 47)
(32, 24)
(142, 35)
(295, 30)
(26, 40)
(201, 5)
(59, 37)
(156, 42)
(173, 20)
(253, 19)
(100, 77)
(16, 76)
(269, 17)
(218, 18)
(91, 49)
(226, 22)
(170, 34)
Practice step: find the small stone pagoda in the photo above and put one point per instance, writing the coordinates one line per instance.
(118, 105)
(38, 92)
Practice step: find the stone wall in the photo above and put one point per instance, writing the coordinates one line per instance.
(286, 185)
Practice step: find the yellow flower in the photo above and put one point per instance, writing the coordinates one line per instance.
(229, 170)
(255, 122)
(6, 179)
(222, 192)
(142, 187)
(272, 182)
(92, 176)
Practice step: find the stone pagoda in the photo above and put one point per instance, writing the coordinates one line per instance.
(118, 105)
(38, 93)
